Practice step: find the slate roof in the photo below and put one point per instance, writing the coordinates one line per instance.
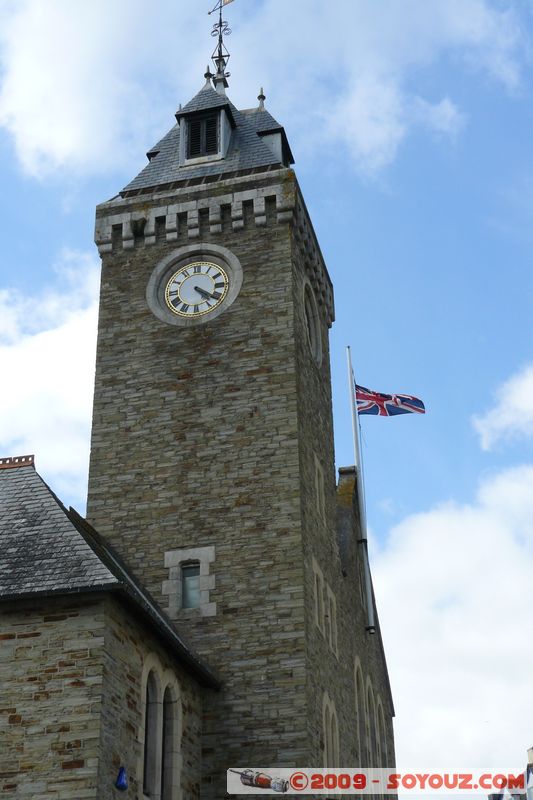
(246, 151)
(206, 99)
(40, 549)
(46, 549)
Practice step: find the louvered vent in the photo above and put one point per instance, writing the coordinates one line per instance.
(195, 138)
(203, 136)
(211, 135)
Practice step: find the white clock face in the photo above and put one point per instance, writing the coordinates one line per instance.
(196, 289)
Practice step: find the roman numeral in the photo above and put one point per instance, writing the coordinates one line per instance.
(219, 285)
(216, 295)
(184, 308)
(176, 302)
(174, 292)
(186, 274)
(217, 275)
(197, 268)
(196, 309)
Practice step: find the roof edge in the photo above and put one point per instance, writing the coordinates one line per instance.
(142, 600)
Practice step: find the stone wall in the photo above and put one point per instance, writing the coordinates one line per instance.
(130, 651)
(72, 673)
(51, 657)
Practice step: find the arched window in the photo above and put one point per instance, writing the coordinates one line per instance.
(361, 716)
(161, 731)
(170, 745)
(371, 727)
(151, 737)
(330, 730)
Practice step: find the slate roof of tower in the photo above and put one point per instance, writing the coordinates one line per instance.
(46, 549)
(246, 151)
(206, 99)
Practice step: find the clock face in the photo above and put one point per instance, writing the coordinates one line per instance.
(196, 289)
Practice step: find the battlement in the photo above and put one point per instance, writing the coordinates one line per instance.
(190, 212)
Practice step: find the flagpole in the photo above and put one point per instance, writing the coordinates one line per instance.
(363, 541)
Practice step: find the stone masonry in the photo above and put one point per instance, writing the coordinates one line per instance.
(208, 437)
(71, 700)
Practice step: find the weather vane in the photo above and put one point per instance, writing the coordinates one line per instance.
(220, 55)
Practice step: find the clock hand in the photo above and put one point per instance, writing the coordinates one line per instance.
(204, 292)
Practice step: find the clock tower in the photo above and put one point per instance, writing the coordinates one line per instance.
(212, 464)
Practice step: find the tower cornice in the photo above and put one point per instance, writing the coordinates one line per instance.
(130, 222)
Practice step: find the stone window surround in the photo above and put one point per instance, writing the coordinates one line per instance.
(331, 613)
(325, 607)
(318, 591)
(312, 323)
(164, 680)
(382, 735)
(172, 588)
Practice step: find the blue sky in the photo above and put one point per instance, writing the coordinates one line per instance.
(411, 126)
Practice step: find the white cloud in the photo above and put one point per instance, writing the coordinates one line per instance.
(75, 88)
(90, 86)
(452, 586)
(512, 414)
(352, 68)
(47, 350)
(443, 117)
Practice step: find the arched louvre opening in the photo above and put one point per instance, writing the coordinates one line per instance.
(150, 738)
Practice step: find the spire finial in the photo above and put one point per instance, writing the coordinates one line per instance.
(261, 97)
(208, 75)
(220, 55)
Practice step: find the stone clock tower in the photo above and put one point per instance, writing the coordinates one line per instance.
(212, 464)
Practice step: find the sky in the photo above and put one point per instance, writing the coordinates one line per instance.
(411, 124)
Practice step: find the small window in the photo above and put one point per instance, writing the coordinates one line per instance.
(203, 136)
(190, 585)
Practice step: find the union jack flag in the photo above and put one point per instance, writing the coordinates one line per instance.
(386, 405)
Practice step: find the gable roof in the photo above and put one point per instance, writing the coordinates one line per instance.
(40, 549)
(46, 550)
(246, 151)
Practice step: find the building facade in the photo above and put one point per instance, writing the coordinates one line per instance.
(212, 486)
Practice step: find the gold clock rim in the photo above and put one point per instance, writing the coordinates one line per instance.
(196, 314)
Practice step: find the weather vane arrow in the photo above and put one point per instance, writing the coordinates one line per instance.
(219, 5)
